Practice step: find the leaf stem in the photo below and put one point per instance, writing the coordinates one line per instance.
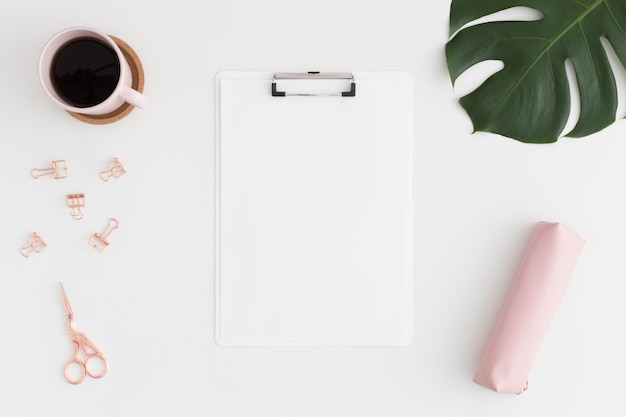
(552, 42)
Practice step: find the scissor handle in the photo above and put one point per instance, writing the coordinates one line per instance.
(82, 367)
(84, 348)
(105, 366)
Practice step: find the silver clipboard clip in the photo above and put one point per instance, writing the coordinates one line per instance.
(314, 75)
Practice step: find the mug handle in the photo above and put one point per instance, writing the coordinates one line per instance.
(134, 97)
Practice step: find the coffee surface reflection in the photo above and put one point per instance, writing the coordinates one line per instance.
(85, 72)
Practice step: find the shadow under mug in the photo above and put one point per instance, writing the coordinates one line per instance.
(122, 93)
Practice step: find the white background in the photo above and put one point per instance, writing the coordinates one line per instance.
(147, 301)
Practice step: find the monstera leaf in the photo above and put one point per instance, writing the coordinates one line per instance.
(529, 99)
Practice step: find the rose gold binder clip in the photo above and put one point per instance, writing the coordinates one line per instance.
(76, 202)
(99, 241)
(58, 169)
(34, 244)
(114, 169)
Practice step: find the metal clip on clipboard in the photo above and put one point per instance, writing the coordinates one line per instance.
(314, 75)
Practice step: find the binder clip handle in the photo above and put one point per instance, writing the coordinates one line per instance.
(99, 240)
(114, 169)
(34, 244)
(75, 202)
(58, 169)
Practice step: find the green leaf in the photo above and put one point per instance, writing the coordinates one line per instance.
(529, 99)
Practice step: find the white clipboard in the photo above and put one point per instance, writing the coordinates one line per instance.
(313, 209)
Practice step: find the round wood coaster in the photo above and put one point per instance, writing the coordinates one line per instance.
(138, 81)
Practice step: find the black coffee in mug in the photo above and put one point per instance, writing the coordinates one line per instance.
(85, 72)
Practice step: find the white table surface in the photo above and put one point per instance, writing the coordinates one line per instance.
(147, 301)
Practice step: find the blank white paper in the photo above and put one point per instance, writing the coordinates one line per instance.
(313, 213)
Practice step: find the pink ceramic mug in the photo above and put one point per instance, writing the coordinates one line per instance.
(121, 93)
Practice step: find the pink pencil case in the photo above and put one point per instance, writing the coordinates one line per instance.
(538, 287)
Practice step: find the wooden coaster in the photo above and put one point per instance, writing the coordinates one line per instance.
(138, 81)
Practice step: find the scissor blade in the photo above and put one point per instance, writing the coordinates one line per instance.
(68, 308)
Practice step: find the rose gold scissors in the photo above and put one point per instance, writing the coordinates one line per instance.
(84, 350)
